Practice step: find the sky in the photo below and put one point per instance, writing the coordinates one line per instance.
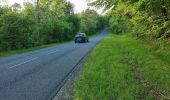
(80, 5)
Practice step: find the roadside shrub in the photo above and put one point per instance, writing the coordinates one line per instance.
(15, 31)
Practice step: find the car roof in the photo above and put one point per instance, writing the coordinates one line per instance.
(82, 33)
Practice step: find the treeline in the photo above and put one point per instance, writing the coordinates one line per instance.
(90, 22)
(45, 22)
(146, 19)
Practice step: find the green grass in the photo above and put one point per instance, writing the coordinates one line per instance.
(13, 52)
(110, 71)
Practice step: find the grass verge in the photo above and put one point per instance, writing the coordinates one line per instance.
(123, 68)
(13, 52)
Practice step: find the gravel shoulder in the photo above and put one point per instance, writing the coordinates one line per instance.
(67, 90)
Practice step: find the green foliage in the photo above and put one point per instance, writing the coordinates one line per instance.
(119, 24)
(54, 31)
(15, 31)
(50, 21)
(146, 18)
(91, 22)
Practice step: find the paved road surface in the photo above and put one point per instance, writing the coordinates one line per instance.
(36, 75)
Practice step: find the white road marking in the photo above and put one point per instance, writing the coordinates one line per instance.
(30, 60)
(52, 52)
(23, 63)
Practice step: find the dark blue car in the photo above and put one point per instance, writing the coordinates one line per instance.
(81, 38)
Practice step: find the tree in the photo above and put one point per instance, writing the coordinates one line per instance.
(15, 31)
(151, 16)
(90, 22)
(46, 21)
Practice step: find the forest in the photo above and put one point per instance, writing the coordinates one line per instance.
(144, 19)
(43, 22)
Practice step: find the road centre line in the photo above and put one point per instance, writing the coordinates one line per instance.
(23, 63)
(52, 52)
(30, 60)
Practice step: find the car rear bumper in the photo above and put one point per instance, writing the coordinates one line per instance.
(80, 40)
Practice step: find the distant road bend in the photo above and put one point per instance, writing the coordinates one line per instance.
(36, 75)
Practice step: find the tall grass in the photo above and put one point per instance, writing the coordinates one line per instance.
(108, 76)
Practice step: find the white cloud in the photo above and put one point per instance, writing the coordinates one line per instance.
(80, 5)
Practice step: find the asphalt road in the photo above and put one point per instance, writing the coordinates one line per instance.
(36, 75)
